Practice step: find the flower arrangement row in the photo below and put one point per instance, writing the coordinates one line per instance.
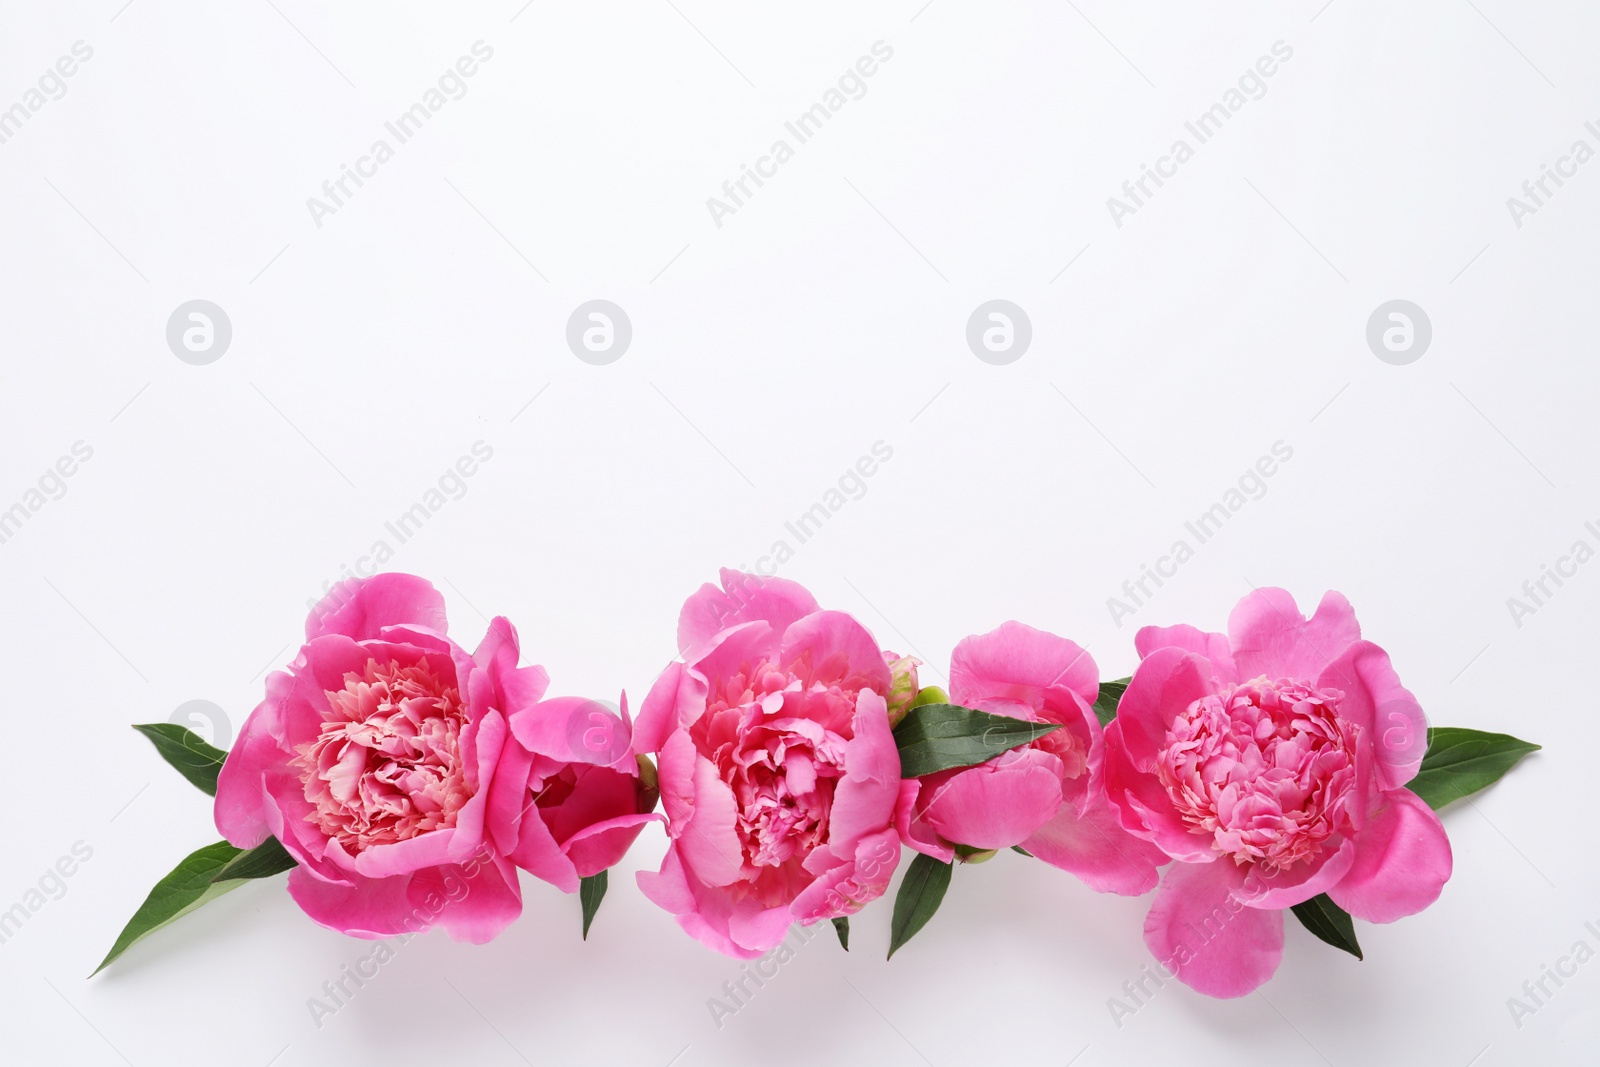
(403, 782)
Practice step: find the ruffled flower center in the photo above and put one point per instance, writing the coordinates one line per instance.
(1265, 768)
(386, 765)
(778, 740)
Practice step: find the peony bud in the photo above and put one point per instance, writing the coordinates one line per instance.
(904, 688)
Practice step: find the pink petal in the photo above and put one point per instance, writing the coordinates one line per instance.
(499, 647)
(601, 845)
(1014, 660)
(1264, 888)
(539, 854)
(575, 730)
(599, 794)
(321, 668)
(1143, 807)
(429, 849)
(914, 832)
(1098, 850)
(742, 598)
(482, 743)
(757, 928)
(864, 799)
(497, 682)
(1402, 861)
(675, 775)
(508, 797)
(708, 843)
(847, 887)
(1163, 685)
(1201, 932)
(702, 912)
(360, 608)
(676, 699)
(730, 650)
(241, 790)
(1389, 716)
(482, 898)
(1213, 647)
(370, 908)
(999, 803)
(834, 646)
(1270, 637)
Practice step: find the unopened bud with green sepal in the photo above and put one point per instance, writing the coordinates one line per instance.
(903, 690)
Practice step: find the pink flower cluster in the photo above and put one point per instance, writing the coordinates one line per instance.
(411, 780)
(1270, 765)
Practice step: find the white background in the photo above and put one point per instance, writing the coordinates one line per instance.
(826, 314)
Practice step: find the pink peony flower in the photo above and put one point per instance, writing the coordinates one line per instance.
(569, 797)
(1047, 796)
(779, 774)
(370, 759)
(1271, 763)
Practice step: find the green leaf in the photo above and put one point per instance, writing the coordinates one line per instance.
(188, 887)
(591, 891)
(841, 926)
(1025, 852)
(1105, 705)
(938, 737)
(263, 861)
(1460, 762)
(1329, 922)
(184, 749)
(921, 892)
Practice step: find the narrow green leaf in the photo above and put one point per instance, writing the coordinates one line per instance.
(921, 893)
(1105, 705)
(1329, 922)
(1460, 762)
(1025, 852)
(841, 926)
(938, 737)
(591, 891)
(263, 861)
(188, 887)
(184, 749)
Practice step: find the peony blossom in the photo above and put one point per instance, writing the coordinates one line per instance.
(569, 796)
(370, 761)
(1047, 796)
(779, 774)
(1271, 764)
